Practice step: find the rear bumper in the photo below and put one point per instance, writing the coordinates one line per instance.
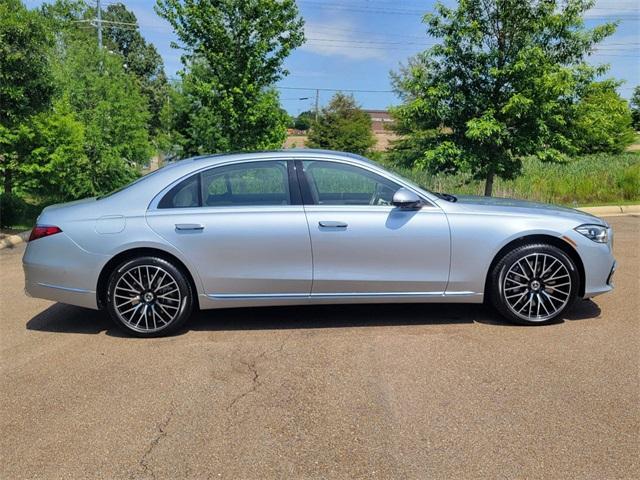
(56, 268)
(59, 293)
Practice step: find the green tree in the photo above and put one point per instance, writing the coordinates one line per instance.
(108, 102)
(140, 58)
(602, 121)
(121, 34)
(304, 120)
(26, 84)
(500, 85)
(234, 53)
(95, 137)
(342, 125)
(635, 107)
(58, 165)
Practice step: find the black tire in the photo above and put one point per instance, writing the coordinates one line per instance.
(156, 291)
(534, 284)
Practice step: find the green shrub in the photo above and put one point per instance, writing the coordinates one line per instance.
(12, 210)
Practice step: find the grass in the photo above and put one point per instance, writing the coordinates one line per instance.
(589, 180)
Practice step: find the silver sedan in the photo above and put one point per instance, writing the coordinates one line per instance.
(308, 227)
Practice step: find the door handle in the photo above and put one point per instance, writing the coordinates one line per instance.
(189, 226)
(328, 224)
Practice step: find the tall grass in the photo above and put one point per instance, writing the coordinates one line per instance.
(591, 179)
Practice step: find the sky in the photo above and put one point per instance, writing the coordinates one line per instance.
(355, 44)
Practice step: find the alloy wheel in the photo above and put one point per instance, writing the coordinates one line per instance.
(147, 298)
(537, 287)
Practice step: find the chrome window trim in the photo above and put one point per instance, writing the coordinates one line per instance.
(153, 205)
(367, 167)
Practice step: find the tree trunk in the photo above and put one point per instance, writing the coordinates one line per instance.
(488, 186)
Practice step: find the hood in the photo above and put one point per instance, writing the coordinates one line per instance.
(525, 207)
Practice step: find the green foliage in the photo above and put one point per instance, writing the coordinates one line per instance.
(499, 86)
(343, 126)
(589, 179)
(141, 59)
(602, 121)
(108, 102)
(12, 209)
(234, 53)
(635, 107)
(26, 84)
(304, 120)
(206, 120)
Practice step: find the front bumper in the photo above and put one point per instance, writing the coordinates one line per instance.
(599, 267)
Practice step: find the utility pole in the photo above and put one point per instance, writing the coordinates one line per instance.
(99, 22)
(317, 102)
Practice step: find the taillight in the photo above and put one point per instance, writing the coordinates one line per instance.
(40, 231)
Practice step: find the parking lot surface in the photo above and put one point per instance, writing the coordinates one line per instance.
(411, 391)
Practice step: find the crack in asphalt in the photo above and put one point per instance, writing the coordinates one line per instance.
(253, 370)
(162, 432)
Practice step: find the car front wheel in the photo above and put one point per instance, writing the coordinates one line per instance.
(149, 297)
(534, 284)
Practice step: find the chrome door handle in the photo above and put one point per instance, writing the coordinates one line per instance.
(327, 224)
(189, 226)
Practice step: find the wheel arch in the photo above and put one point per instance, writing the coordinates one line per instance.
(132, 253)
(538, 238)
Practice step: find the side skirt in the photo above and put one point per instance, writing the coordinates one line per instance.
(276, 299)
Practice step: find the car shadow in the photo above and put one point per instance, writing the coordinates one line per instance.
(60, 318)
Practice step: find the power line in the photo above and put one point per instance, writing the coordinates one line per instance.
(348, 90)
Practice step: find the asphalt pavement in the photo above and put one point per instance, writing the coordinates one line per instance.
(391, 391)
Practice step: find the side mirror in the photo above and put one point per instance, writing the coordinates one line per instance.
(404, 198)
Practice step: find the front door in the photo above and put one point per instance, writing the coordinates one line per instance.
(243, 227)
(362, 244)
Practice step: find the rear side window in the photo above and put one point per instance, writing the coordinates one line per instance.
(244, 184)
(185, 194)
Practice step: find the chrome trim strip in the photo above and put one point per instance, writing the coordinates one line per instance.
(245, 296)
(66, 289)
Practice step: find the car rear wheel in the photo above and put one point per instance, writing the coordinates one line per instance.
(149, 297)
(534, 284)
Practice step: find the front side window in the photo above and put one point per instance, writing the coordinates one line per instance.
(243, 184)
(334, 183)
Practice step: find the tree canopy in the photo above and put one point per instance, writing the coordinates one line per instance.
(233, 54)
(500, 84)
(342, 125)
(602, 120)
(26, 81)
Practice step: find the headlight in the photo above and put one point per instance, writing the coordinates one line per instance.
(597, 233)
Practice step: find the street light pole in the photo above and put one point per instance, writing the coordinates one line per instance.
(317, 102)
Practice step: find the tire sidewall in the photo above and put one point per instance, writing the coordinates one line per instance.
(186, 304)
(501, 269)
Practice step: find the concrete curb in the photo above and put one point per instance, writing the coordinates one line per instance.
(611, 210)
(11, 241)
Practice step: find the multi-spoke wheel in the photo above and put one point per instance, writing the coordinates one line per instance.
(149, 296)
(534, 284)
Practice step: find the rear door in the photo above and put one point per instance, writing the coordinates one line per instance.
(362, 244)
(243, 226)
